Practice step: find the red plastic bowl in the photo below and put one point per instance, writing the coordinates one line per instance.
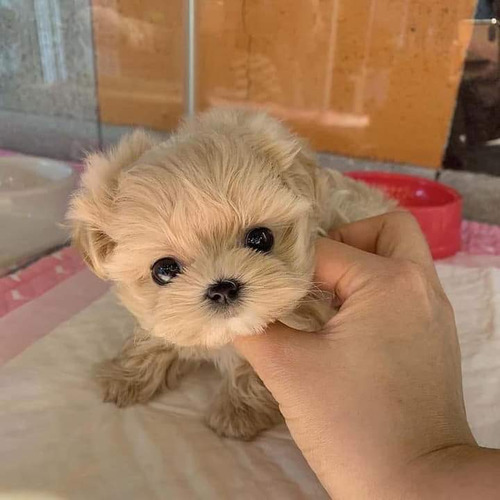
(438, 208)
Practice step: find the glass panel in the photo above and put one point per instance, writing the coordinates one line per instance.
(74, 76)
(140, 62)
(371, 78)
(47, 81)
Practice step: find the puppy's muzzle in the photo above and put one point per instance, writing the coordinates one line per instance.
(224, 292)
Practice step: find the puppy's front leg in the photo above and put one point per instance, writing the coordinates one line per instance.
(144, 367)
(243, 407)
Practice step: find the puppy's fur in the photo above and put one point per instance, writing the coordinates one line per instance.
(193, 198)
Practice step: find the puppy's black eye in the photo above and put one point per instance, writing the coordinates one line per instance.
(164, 270)
(260, 239)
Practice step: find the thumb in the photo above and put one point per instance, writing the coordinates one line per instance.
(274, 343)
(361, 247)
(275, 353)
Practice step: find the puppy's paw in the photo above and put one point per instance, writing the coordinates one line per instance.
(139, 373)
(125, 382)
(125, 385)
(239, 420)
(122, 392)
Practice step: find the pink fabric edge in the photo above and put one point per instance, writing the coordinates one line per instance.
(33, 320)
(479, 238)
(19, 288)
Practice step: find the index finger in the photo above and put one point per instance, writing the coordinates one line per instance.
(395, 234)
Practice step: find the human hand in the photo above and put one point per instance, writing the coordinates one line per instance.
(373, 398)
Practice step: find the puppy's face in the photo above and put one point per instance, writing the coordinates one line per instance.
(205, 237)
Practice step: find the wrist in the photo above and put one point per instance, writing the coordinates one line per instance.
(460, 472)
(445, 473)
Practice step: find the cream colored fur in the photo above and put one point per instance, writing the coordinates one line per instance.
(192, 198)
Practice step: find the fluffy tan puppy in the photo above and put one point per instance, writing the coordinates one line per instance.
(207, 236)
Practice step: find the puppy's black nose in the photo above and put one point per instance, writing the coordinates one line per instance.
(224, 292)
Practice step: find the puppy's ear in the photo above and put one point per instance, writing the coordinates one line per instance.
(296, 163)
(273, 139)
(266, 134)
(91, 207)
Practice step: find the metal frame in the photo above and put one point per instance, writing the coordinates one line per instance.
(190, 73)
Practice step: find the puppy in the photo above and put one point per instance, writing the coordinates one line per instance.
(207, 236)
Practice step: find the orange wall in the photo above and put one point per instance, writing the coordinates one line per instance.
(140, 61)
(370, 78)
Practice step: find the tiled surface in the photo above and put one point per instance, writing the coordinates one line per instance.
(57, 137)
(47, 73)
(51, 136)
(481, 194)
(111, 134)
(348, 164)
